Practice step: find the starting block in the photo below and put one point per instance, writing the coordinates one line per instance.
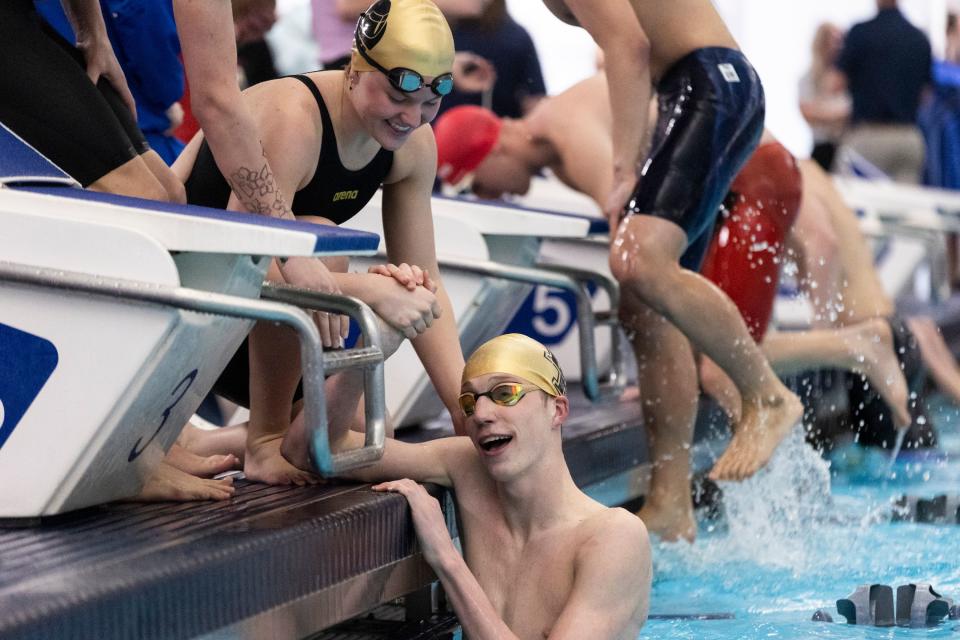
(119, 314)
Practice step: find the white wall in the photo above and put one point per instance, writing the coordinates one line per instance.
(775, 35)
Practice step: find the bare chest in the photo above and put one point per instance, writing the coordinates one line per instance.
(529, 585)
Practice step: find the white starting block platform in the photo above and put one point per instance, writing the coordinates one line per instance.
(119, 314)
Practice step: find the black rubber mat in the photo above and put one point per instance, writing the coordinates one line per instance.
(387, 622)
(178, 570)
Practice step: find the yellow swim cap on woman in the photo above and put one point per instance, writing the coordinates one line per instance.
(412, 34)
(516, 354)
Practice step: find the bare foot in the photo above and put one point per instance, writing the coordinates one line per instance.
(872, 354)
(670, 523)
(295, 447)
(264, 463)
(197, 465)
(630, 394)
(218, 440)
(765, 423)
(171, 484)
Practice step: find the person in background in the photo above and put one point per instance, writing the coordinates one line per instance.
(824, 101)
(888, 63)
(743, 259)
(72, 103)
(144, 39)
(497, 39)
(252, 19)
(951, 52)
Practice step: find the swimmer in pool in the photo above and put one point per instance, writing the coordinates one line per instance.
(333, 138)
(502, 156)
(540, 558)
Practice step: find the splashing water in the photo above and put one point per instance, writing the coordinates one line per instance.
(770, 517)
(901, 435)
(769, 514)
(793, 542)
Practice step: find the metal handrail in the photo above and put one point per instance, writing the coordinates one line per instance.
(560, 279)
(369, 357)
(312, 357)
(617, 379)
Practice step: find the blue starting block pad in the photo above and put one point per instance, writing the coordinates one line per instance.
(22, 164)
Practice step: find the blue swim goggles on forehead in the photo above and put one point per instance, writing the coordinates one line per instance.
(403, 79)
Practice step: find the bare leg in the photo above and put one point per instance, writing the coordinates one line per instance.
(668, 394)
(274, 373)
(176, 192)
(644, 258)
(866, 348)
(171, 484)
(863, 295)
(937, 356)
(816, 249)
(132, 178)
(343, 391)
(718, 385)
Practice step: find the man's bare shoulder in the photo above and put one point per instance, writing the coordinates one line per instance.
(613, 570)
(613, 526)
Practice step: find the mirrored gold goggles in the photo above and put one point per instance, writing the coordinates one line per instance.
(505, 394)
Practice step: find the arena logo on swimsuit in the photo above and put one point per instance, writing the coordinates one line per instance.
(28, 362)
(345, 195)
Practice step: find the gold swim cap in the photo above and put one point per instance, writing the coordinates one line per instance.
(412, 34)
(516, 354)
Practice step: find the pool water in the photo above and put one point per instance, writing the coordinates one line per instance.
(806, 532)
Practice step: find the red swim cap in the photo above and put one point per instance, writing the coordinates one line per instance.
(465, 136)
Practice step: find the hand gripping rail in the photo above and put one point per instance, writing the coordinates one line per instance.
(573, 280)
(370, 357)
(314, 361)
